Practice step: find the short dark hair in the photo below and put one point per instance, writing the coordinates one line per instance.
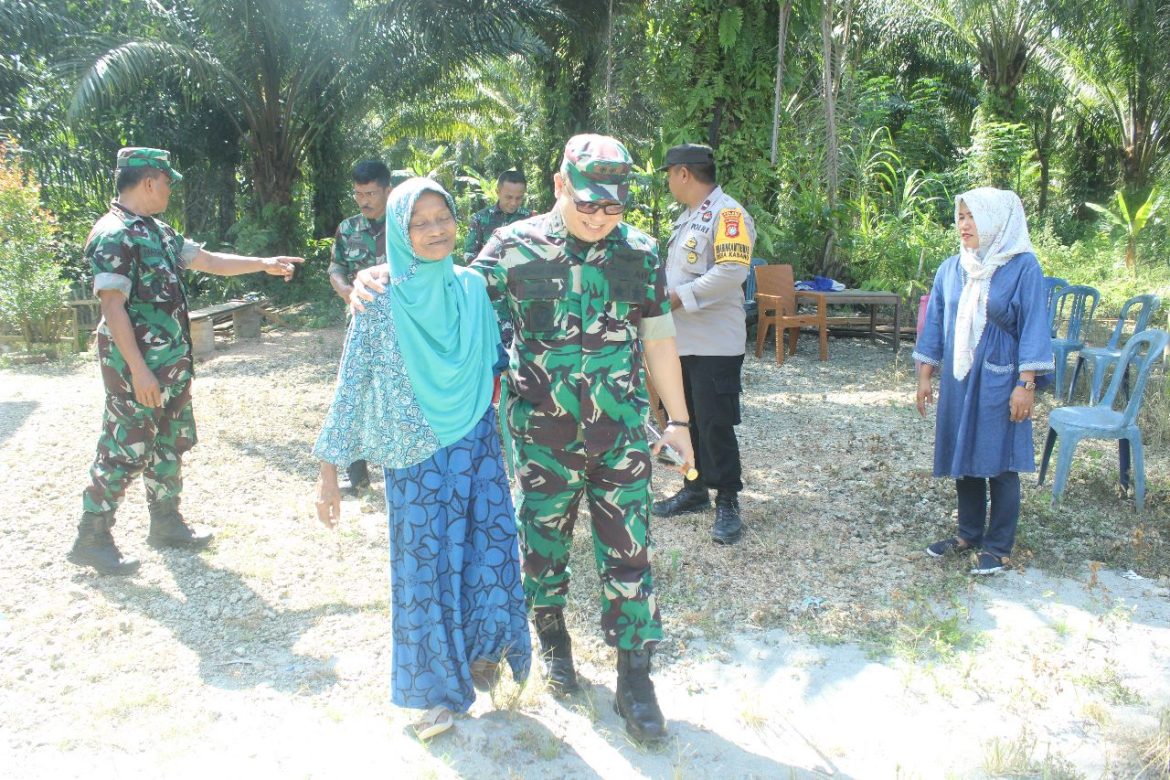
(703, 172)
(371, 170)
(128, 178)
(511, 177)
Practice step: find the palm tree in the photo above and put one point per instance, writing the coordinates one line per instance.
(285, 72)
(1003, 36)
(1117, 63)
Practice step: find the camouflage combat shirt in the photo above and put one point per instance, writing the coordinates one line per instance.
(580, 311)
(143, 257)
(483, 223)
(358, 243)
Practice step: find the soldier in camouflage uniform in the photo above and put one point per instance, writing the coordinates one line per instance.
(587, 297)
(510, 188)
(359, 243)
(144, 348)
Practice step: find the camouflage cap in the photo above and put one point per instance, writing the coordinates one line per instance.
(144, 156)
(597, 167)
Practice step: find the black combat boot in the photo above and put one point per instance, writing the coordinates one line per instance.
(692, 498)
(557, 651)
(95, 546)
(728, 524)
(167, 528)
(635, 700)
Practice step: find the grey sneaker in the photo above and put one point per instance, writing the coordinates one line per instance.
(946, 547)
(988, 564)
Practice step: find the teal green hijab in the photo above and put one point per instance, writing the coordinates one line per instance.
(447, 333)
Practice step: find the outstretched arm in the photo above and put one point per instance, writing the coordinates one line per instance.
(223, 264)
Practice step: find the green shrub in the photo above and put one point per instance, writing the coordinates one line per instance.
(1099, 261)
(31, 288)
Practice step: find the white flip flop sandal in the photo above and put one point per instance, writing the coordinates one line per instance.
(434, 722)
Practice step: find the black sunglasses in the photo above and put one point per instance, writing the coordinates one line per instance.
(589, 207)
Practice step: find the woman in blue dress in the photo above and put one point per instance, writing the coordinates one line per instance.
(414, 393)
(986, 336)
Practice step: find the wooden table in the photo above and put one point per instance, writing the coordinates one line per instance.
(871, 298)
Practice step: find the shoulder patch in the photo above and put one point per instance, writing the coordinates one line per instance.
(732, 244)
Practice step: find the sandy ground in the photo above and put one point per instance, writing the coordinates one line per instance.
(825, 644)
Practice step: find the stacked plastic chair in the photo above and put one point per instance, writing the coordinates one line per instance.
(1072, 307)
(1098, 359)
(1071, 424)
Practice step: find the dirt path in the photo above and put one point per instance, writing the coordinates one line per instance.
(824, 644)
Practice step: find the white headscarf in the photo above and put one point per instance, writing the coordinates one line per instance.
(1003, 234)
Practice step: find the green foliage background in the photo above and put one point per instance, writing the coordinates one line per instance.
(31, 287)
(929, 97)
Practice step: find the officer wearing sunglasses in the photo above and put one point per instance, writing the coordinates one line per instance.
(588, 298)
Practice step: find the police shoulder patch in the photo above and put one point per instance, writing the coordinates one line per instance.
(732, 245)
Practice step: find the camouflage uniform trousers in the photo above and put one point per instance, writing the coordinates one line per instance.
(617, 485)
(137, 439)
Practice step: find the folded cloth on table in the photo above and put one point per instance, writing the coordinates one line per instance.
(820, 284)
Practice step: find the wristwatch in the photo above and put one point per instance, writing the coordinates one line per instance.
(1027, 384)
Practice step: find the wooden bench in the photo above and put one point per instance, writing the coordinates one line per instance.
(244, 316)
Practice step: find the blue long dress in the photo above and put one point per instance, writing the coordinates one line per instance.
(974, 434)
(454, 559)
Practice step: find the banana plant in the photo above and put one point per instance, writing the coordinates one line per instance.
(1131, 221)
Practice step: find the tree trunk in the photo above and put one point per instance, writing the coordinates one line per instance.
(713, 125)
(781, 40)
(567, 101)
(274, 172)
(330, 180)
(1043, 142)
(831, 151)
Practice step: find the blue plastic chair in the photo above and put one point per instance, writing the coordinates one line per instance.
(1141, 308)
(1072, 307)
(1101, 421)
(1052, 285)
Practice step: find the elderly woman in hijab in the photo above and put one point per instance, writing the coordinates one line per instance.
(414, 393)
(986, 334)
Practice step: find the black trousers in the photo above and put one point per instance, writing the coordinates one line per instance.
(712, 385)
(995, 533)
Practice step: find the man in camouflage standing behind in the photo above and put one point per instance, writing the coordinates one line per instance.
(144, 348)
(359, 243)
(588, 300)
(508, 208)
